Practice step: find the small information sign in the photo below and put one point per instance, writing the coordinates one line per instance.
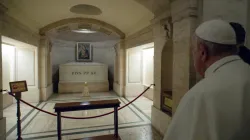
(18, 86)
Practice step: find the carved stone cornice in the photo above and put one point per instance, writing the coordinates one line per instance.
(43, 42)
(160, 17)
(168, 27)
(184, 8)
(43, 38)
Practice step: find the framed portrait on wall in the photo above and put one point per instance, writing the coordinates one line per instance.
(84, 52)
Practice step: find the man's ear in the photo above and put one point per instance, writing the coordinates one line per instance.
(203, 52)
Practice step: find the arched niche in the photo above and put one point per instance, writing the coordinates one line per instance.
(57, 27)
(167, 77)
(167, 69)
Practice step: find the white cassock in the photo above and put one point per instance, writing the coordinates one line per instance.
(218, 107)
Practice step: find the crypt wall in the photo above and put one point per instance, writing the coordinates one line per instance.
(14, 30)
(64, 52)
(139, 70)
(20, 62)
(136, 43)
(235, 11)
(11, 28)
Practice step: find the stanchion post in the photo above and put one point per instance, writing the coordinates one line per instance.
(18, 114)
(116, 121)
(59, 125)
(18, 87)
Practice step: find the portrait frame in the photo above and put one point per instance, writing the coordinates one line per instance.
(84, 52)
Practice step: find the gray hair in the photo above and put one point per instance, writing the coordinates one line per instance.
(215, 49)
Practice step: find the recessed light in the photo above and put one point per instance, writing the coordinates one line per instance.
(84, 31)
(86, 9)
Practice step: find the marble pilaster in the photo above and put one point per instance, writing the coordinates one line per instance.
(184, 15)
(116, 65)
(2, 119)
(45, 83)
(49, 64)
(159, 41)
(120, 71)
(162, 41)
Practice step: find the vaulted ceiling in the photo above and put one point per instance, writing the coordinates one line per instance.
(127, 15)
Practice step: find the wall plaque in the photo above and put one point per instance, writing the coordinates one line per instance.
(166, 102)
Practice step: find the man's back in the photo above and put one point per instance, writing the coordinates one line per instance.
(217, 108)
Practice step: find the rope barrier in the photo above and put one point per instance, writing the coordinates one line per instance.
(91, 117)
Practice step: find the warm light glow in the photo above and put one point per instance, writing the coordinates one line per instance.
(148, 66)
(8, 65)
(84, 31)
(85, 103)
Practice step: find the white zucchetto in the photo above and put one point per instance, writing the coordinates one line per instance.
(217, 31)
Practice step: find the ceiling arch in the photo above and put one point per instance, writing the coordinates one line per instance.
(87, 22)
(128, 16)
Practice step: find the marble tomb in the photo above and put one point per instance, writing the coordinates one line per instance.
(73, 75)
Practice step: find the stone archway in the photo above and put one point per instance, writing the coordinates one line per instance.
(88, 22)
(45, 67)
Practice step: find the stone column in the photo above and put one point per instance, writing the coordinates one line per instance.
(162, 40)
(2, 119)
(119, 82)
(45, 77)
(49, 65)
(184, 16)
(122, 67)
(116, 67)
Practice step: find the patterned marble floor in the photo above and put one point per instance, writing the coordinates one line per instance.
(134, 120)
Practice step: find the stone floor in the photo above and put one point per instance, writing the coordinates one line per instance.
(134, 120)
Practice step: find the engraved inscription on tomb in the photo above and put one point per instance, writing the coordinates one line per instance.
(84, 73)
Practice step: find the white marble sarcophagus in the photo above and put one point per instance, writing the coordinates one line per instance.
(72, 77)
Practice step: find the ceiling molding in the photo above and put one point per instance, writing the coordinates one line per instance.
(84, 26)
(62, 29)
(3, 8)
(79, 20)
(103, 30)
(157, 7)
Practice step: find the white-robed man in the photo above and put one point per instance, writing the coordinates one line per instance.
(218, 107)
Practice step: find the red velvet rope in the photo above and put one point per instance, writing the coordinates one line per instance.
(68, 117)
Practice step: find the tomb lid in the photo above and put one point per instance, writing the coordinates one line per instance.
(83, 63)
